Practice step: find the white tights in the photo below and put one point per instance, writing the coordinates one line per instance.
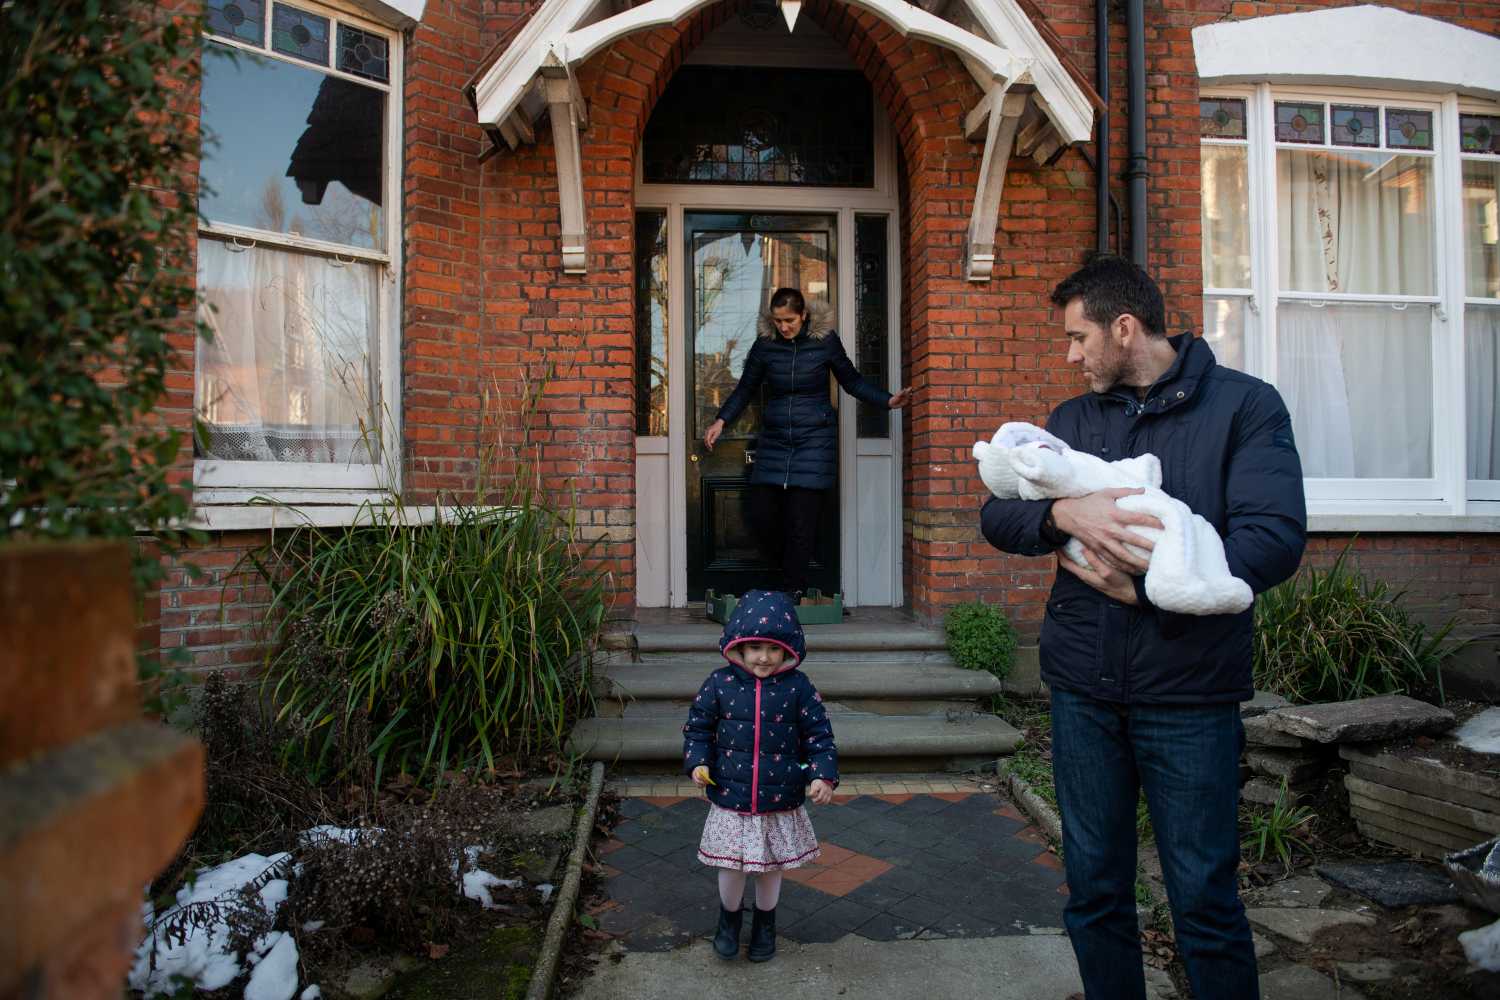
(732, 889)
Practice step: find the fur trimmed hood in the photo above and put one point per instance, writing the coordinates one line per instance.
(819, 320)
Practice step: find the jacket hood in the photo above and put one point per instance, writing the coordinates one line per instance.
(764, 616)
(819, 321)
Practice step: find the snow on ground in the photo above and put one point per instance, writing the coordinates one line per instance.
(1481, 733)
(202, 955)
(1482, 946)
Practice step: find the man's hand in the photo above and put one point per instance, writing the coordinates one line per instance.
(820, 791)
(1102, 577)
(1104, 529)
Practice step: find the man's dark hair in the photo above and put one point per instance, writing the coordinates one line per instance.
(1111, 285)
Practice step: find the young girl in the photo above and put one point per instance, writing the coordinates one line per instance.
(757, 739)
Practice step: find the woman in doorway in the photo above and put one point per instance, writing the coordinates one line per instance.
(796, 458)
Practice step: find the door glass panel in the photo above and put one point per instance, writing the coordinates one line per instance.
(651, 323)
(871, 319)
(734, 275)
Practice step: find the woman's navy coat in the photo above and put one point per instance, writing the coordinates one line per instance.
(756, 734)
(1226, 449)
(799, 431)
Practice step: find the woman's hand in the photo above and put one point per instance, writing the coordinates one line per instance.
(700, 776)
(711, 436)
(820, 791)
(900, 399)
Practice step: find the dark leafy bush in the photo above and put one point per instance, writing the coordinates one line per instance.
(1332, 635)
(980, 637)
(423, 647)
(93, 287)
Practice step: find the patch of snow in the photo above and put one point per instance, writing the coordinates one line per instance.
(343, 835)
(202, 955)
(546, 889)
(311, 993)
(478, 883)
(1482, 946)
(311, 926)
(1481, 733)
(275, 976)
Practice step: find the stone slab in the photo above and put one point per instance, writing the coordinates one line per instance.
(1260, 732)
(1372, 828)
(1394, 883)
(1298, 982)
(1362, 720)
(1304, 891)
(1302, 925)
(1261, 703)
(1291, 767)
(1263, 945)
(1375, 970)
(1448, 812)
(1429, 779)
(1263, 792)
(1420, 823)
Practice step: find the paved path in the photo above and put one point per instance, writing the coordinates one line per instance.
(925, 894)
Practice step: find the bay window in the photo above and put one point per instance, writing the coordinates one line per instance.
(1330, 228)
(296, 388)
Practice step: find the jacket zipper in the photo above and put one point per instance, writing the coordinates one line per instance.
(755, 760)
(787, 482)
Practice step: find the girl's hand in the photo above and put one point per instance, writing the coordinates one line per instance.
(700, 776)
(820, 791)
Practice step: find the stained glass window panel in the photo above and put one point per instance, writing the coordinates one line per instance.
(1299, 122)
(651, 323)
(1480, 133)
(1222, 118)
(364, 54)
(244, 20)
(871, 319)
(1356, 126)
(297, 33)
(749, 125)
(292, 150)
(1408, 129)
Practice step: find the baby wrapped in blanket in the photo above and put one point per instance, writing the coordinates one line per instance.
(1187, 572)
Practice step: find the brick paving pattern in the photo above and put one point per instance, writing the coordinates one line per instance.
(895, 865)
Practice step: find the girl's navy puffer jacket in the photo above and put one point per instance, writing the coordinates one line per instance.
(756, 734)
(798, 444)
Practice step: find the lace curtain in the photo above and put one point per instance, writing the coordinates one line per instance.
(290, 373)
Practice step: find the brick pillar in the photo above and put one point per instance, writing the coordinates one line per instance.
(94, 801)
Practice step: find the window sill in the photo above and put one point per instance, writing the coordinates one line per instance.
(262, 516)
(1477, 523)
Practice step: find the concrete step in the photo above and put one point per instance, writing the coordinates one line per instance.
(894, 687)
(866, 741)
(821, 639)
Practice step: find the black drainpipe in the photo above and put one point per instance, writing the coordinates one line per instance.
(1135, 171)
(1101, 171)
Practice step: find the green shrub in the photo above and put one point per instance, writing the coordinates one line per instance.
(423, 647)
(1278, 830)
(980, 637)
(92, 276)
(1332, 635)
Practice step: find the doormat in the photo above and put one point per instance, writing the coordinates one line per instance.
(816, 608)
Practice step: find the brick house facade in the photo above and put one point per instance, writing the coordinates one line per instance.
(482, 300)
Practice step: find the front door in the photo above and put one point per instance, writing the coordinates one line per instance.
(737, 261)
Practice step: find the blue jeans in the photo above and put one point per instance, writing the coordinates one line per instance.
(1186, 757)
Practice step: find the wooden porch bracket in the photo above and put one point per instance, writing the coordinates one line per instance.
(999, 115)
(569, 113)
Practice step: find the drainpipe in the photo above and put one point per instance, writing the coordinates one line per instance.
(1135, 171)
(1101, 171)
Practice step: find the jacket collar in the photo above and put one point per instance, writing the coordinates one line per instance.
(1179, 383)
(820, 321)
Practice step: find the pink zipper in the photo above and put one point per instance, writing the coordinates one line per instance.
(755, 761)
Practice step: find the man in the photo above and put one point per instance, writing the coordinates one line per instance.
(1142, 698)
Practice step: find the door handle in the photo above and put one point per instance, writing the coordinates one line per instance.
(693, 458)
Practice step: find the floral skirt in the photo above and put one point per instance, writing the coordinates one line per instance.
(765, 842)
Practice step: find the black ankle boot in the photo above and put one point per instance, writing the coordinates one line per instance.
(727, 937)
(763, 936)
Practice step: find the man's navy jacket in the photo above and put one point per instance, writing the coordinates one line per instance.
(1227, 451)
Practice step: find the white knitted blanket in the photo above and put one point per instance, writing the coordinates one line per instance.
(1187, 572)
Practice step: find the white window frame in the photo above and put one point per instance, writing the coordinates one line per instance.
(1446, 501)
(1479, 491)
(238, 491)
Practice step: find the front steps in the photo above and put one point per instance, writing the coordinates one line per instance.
(896, 700)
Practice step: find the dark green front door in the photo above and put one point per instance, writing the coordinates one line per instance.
(738, 260)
